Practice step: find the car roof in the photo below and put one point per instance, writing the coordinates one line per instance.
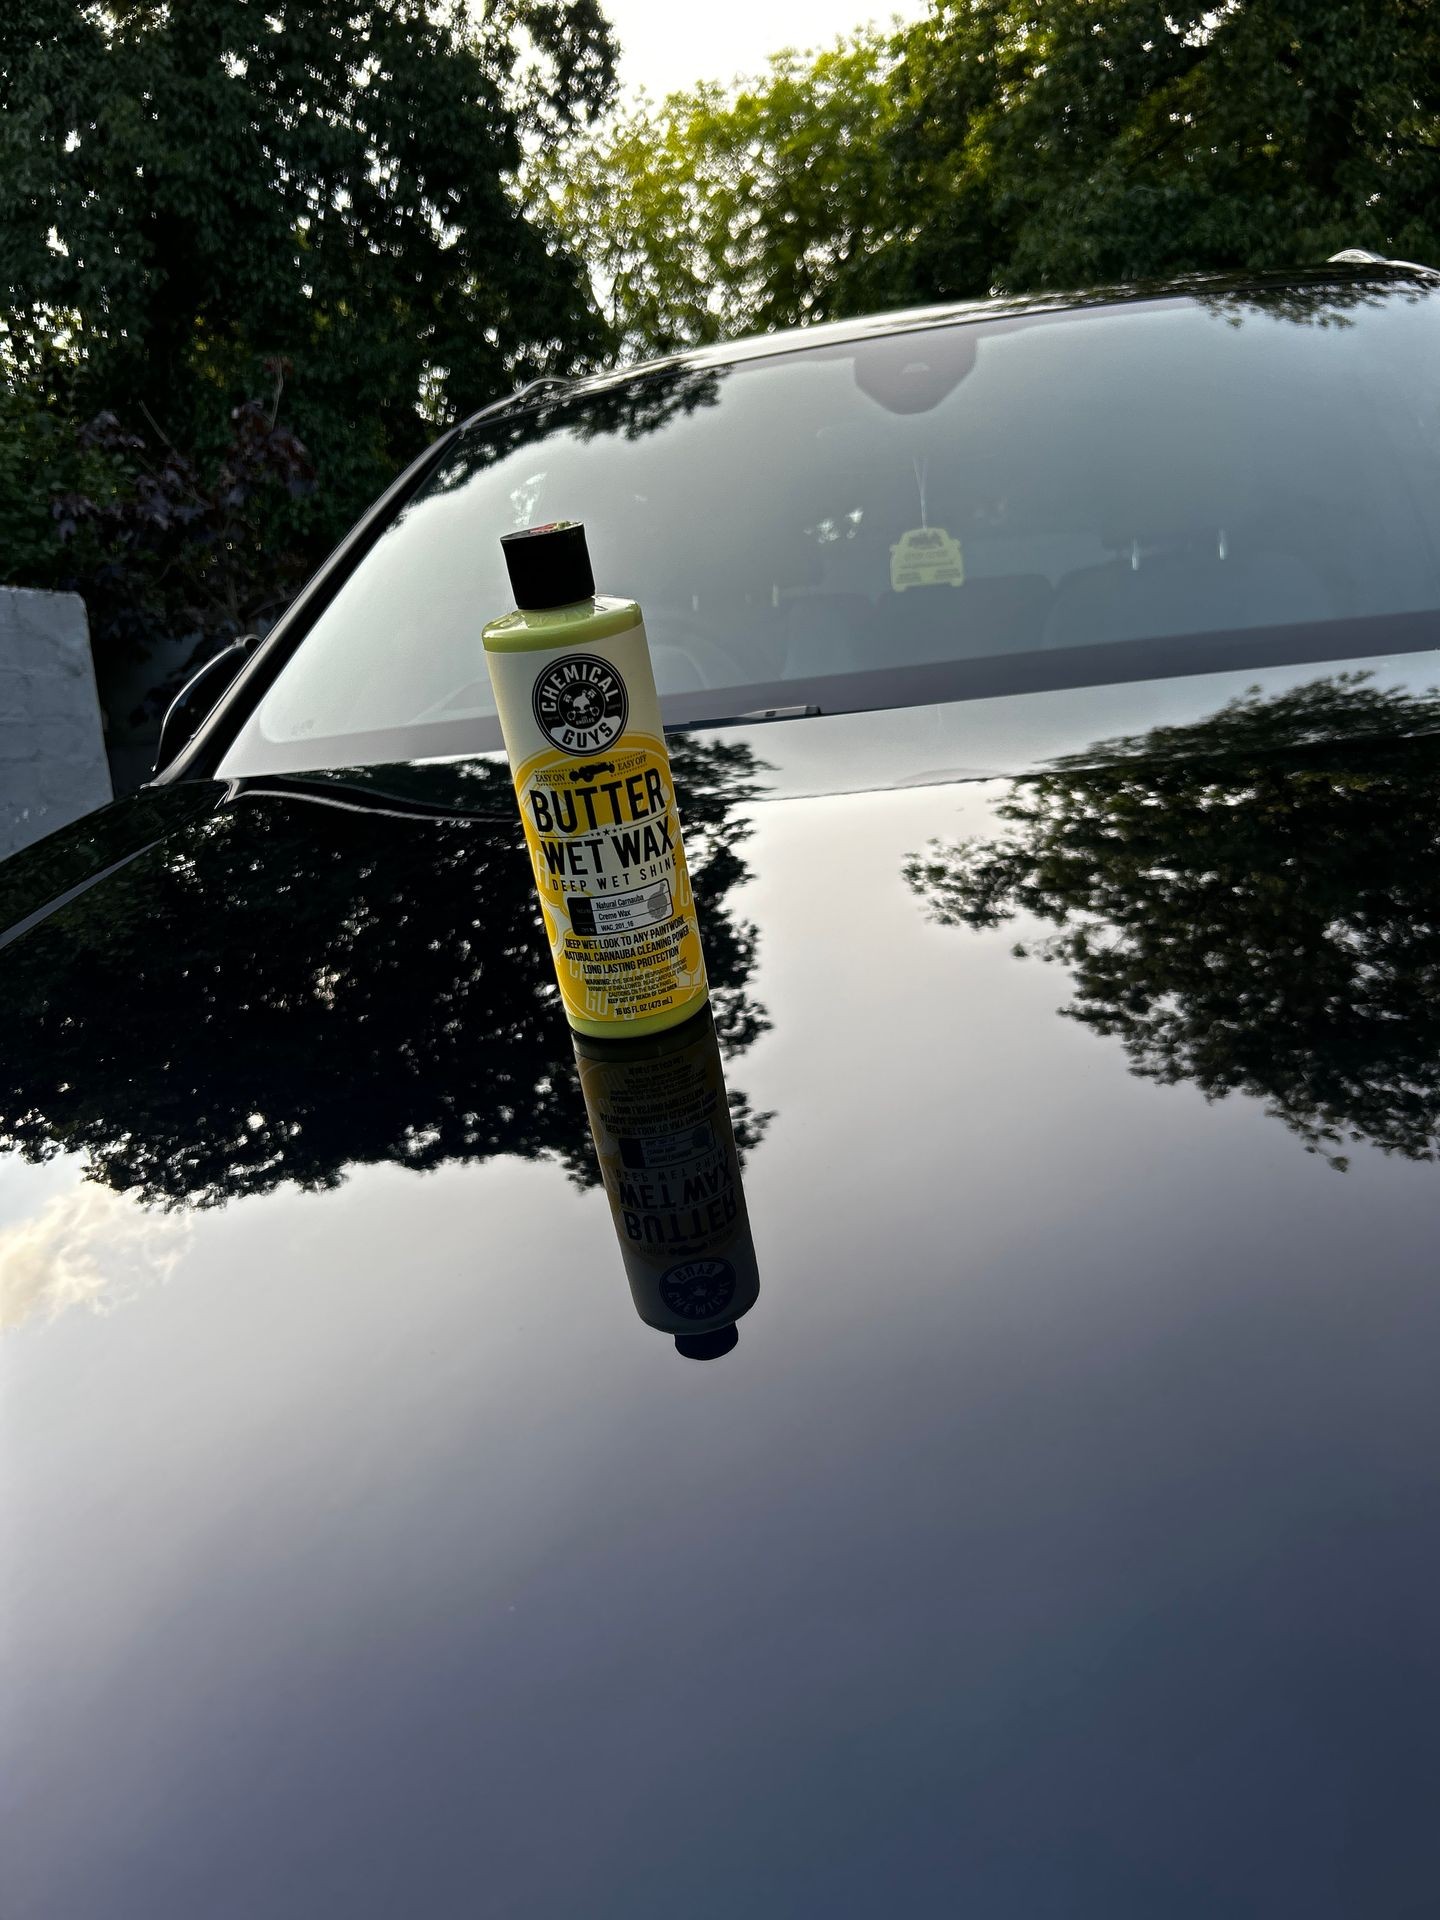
(998, 306)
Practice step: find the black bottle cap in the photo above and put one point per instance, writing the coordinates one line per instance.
(708, 1346)
(549, 565)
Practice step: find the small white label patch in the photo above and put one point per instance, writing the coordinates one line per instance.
(623, 912)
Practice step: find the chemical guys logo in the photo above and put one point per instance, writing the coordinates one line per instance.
(698, 1289)
(580, 703)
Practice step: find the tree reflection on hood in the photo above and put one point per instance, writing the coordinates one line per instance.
(1251, 903)
(319, 973)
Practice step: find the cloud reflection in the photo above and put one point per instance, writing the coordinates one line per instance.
(87, 1247)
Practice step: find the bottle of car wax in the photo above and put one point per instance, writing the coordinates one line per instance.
(663, 1138)
(577, 703)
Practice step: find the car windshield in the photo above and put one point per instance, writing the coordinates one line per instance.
(1079, 495)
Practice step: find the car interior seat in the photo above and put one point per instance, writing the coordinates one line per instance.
(825, 633)
(1149, 594)
(1001, 613)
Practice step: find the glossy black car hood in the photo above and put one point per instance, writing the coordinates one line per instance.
(1060, 1536)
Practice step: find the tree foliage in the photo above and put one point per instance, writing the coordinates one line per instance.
(1016, 144)
(194, 190)
(1126, 138)
(162, 547)
(729, 208)
(198, 198)
(1251, 903)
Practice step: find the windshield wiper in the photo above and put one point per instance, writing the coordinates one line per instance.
(355, 796)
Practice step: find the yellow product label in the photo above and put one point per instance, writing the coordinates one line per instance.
(597, 801)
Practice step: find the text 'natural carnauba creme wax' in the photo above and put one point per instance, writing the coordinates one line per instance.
(576, 697)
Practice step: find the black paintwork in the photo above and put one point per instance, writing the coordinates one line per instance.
(1060, 1537)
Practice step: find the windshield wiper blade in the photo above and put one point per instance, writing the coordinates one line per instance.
(352, 797)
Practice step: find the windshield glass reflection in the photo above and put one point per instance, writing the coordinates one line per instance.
(938, 513)
(1247, 903)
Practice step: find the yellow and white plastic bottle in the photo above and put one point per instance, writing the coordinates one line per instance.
(576, 696)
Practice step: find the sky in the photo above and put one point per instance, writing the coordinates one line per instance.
(667, 44)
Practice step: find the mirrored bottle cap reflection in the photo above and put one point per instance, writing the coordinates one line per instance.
(660, 1117)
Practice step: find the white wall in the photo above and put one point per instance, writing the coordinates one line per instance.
(52, 747)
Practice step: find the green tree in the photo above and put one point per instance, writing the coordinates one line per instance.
(1251, 903)
(192, 191)
(157, 547)
(955, 75)
(41, 457)
(730, 208)
(1051, 144)
(1005, 145)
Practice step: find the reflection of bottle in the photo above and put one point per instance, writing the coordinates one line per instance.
(576, 697)
(661, 1122)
